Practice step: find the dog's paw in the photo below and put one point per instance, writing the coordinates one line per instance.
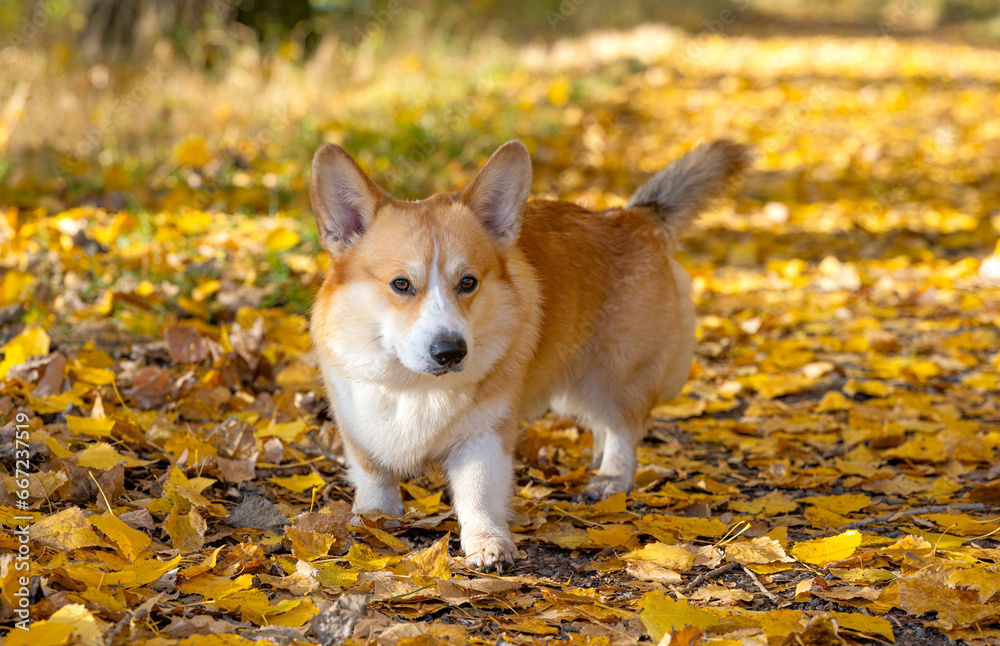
(600, 487)
(490, 553)
(385, 506)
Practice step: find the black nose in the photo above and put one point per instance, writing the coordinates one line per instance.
(448, 351)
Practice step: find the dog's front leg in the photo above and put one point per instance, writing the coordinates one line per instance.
(481, 472)
(376, 490)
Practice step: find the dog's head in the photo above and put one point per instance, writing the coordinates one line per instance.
(424, 283)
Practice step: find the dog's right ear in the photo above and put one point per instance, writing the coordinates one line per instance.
(344, 199)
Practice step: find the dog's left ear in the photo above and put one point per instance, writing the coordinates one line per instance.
(499, 191)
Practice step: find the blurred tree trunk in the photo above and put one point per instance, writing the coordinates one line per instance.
(126, 28)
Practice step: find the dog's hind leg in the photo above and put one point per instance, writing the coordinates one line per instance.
(618, 462)
(600, 435)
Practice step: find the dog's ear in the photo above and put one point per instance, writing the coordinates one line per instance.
(344, 199)
(499, 191)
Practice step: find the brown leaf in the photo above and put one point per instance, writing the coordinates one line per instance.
(197, 625)
(335, 623)
(237, 446)
(150, 387)
(185, 345)
(140, 518)
(112, 485)
(256, 512)
(52, 377)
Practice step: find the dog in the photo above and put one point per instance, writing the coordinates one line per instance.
(443, 323)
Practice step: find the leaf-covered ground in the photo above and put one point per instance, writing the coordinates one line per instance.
(834, 456)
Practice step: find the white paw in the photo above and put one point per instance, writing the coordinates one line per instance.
(600, 487)
(490, 552)
(383, 507)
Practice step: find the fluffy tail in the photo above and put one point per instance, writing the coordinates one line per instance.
(679, 192)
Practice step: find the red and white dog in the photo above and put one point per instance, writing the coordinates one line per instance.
(443, 323)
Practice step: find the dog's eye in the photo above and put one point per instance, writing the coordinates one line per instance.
(467, 284)
(401, 285)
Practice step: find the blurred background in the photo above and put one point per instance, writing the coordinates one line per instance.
(96, 96)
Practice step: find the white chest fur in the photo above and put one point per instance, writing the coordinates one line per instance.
(402, 429)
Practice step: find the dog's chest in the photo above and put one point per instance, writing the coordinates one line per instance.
(400, 430)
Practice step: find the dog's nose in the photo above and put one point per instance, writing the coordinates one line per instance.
(448, 351)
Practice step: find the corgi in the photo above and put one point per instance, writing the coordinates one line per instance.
(443, 323)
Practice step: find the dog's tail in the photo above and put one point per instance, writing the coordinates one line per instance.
(679, 192)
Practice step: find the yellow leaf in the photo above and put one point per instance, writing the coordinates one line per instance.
(821, 551)
(395, 544)
(963, 524)
(103, 456)
(197, 308)
(673, 557)
(288, 432)
(96, 376)
(564, 535)
(427, 505)
(833, 401)
(15, 286)
(297, 376)
(132, 542)
(613, 504)
(298, 484)
(871, 388)
(926, 449)
(981, 577)
(661, 615)
(362, 557)
(206, 289)
(280, 239)
(613, 535)
(431, 563)
(32, 342)
(865, 624)
(331, 575)
(41, 632)
(68, 530)
(559, 90)
(204, 566)
(309, 546)
(89, 426)
(684, 526)
(680, 408)
(761, 550)
(297, 616)
(88, 632)
(186, 531)
(193, 152)
(57, 449)
(771, 504)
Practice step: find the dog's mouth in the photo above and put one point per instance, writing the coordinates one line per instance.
(443, 371)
